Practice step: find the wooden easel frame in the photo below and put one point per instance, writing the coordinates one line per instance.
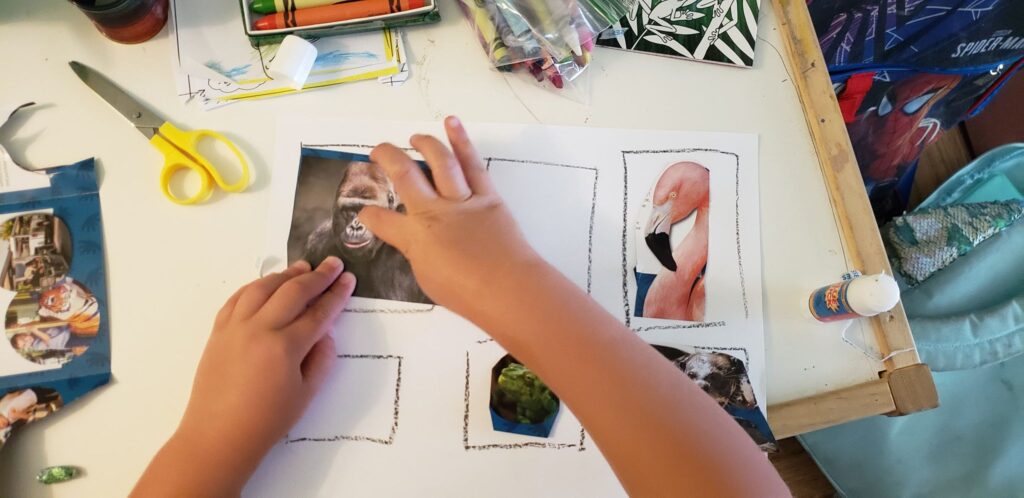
(905, 385)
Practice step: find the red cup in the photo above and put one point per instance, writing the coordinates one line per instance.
(126, 21)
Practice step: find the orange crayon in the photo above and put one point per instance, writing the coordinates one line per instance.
(346, 11)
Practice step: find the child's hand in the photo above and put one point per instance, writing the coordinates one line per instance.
(268, 354)
(459, 237)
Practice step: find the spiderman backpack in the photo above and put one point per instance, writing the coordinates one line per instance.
(904, 70)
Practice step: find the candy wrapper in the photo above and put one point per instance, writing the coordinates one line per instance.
(552, 40)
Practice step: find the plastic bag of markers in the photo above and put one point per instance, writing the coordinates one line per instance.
(550, 41)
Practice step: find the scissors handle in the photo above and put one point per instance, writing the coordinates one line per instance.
(181, 153)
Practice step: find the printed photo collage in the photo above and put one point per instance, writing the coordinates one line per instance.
(51, 319)
(670, 272)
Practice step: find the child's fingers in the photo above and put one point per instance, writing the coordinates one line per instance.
(388, 225)
(410, 182)
(257, 293)
(472, 167)
(318, 318)
(318, 363)
(448, 176)
(292, 297)
(229, 307)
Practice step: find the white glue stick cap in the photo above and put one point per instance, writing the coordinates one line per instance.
(873, 294)
(293, 62)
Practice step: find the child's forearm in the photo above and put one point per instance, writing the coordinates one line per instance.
(187, 465)
(659, 431)
(268, 353)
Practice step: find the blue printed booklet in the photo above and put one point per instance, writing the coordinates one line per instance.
(53, 290)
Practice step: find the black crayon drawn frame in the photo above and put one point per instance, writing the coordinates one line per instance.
(370, 439)
(593, 204)
(625, 237)
(580, 446)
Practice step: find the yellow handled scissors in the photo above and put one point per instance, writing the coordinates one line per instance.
(180, 148)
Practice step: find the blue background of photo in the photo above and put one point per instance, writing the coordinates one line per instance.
(542, 429)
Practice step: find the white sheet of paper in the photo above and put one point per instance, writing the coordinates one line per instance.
(577, 193)
(209, 38)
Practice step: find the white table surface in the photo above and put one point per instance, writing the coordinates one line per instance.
(170, 268)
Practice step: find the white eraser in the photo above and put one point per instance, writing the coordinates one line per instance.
(293, 62)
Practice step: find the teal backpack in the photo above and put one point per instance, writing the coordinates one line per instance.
(968, 322)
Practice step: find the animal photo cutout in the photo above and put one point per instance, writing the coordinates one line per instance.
(50, 318)
(724, 378)
(672, 245)
(332, 187)
(520, 402)
(19, 407)
(509, 407)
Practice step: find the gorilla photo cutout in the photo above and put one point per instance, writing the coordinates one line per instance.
(331, 189)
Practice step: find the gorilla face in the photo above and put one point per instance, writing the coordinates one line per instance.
(364, 184)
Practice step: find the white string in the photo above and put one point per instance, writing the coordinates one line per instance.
(869, 354)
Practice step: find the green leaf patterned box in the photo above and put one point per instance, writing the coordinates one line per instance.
(722, 31)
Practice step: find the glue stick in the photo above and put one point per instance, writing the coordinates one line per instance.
(867, 295)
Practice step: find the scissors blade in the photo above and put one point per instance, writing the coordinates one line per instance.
(138, 114)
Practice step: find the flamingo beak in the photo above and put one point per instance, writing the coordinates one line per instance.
(657, 235)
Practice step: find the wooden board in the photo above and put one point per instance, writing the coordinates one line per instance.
(860, 238)
(831, 408)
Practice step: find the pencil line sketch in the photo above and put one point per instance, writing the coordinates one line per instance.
(220, 65)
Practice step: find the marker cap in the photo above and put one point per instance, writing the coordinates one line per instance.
(293, 62)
